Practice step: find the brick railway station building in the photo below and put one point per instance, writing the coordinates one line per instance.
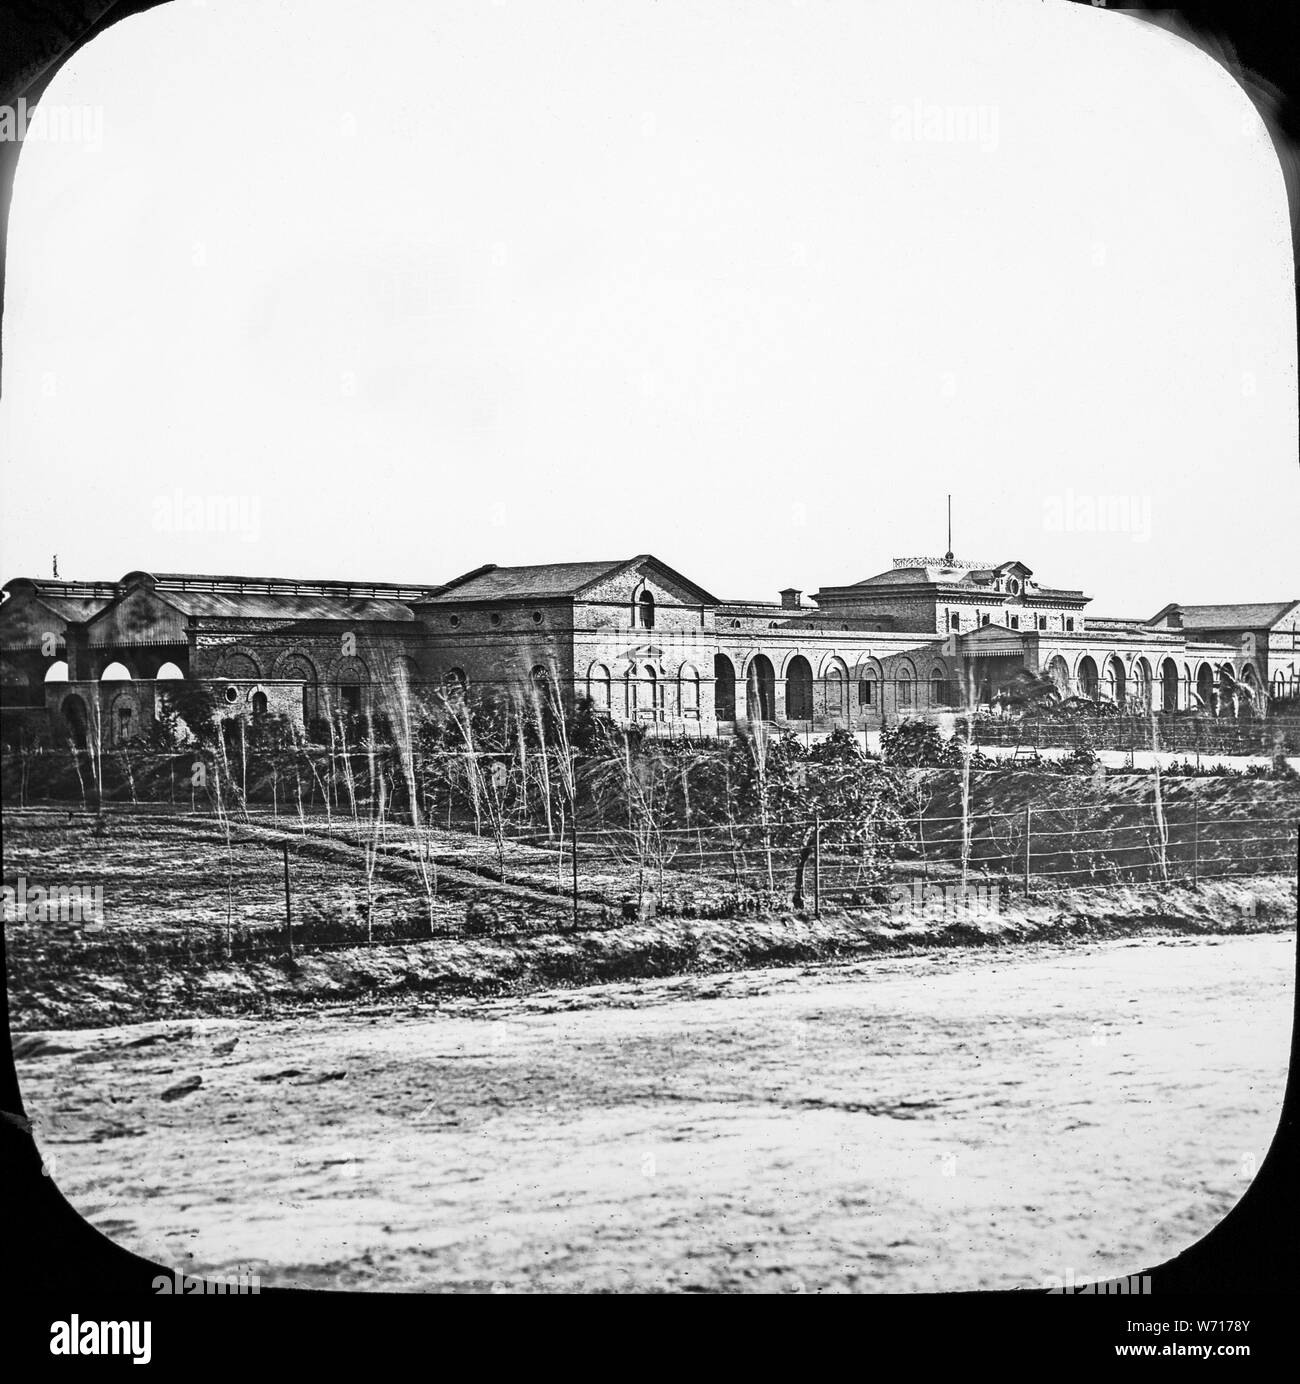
(644, 642)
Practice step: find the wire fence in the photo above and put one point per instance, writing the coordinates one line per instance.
(125, 888)
(1195, 736)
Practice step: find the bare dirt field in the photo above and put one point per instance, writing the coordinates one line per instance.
(946, 1120)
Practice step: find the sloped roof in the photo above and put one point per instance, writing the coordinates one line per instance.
(330, 586)
(936, 573)
(1253, 615)
(991, 629)
(73, 608)
(282, 605)
(226, 597)
(909, 576)
(277, 598)
(540, 581)
(71, 600)
(492, 583)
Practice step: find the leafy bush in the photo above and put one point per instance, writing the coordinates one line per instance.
(918, 745)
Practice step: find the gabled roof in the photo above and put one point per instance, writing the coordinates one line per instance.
(1256, 615)
(549, 580)
(224, 597)
(493, 583)
(957, 574)
(930, 575)
(989, 630)
(70, 600)
(216, 598)
(277, 598)
(999, 636)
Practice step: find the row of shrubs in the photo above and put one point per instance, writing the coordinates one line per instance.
(920, 745)
(1180, 731)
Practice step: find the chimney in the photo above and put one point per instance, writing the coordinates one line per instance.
(791, 599)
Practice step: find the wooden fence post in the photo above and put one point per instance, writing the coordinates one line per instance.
(817, 865)
(1196, 837)
(573, 842)
(288, 903)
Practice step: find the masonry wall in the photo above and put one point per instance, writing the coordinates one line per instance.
(325, 655)
(494, 648)
(1279, 653)
(660, 675)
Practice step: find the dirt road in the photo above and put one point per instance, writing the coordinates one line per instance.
(953, 1120)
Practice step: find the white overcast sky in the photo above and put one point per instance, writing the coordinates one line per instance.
(428, 286)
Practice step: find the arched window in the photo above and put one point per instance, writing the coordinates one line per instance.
(237, 665)
(351, 677)
(798, 690)
(1227, 691)
(1059, 674)
(1087, 677)
(653, 692)
(116, 672)
(688, 692)
(1169, 685)
(169, 672)
(543, 686)
(259, 705)
(724, 688)
(75, 714)
(866, 691)
(122, 724)
(645, 605)
(1116, 680)
(1249, 688)
(1205, 686)
(405, 673)
(903, 685)
(835, 687)
(760, 689)
(57, 672)
(299, 668)
(938, 687)
(598, 686)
